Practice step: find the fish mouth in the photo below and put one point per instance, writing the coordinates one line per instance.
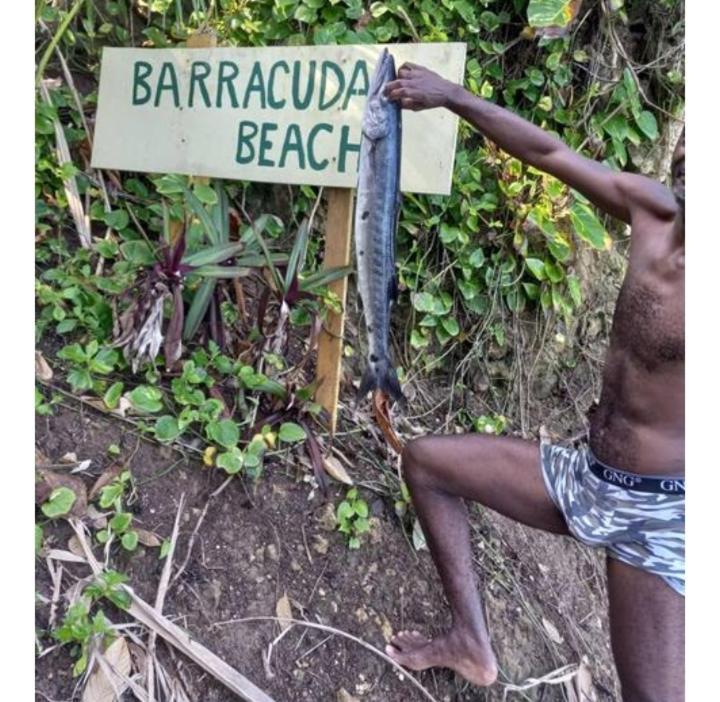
(384, 73)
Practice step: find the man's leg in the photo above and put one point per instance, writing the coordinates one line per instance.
(501, 473)
(647, 627)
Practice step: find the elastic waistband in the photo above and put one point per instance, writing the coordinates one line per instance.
(662, 484)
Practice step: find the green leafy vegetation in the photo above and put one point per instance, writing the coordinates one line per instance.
(352, 517)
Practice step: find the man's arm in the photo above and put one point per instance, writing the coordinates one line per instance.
(619, 194)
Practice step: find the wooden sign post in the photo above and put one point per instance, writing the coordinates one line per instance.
(285, 114)
(338, 233)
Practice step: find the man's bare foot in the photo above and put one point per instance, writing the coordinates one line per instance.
(467, 655)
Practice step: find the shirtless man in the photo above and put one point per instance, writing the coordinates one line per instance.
(626, 490)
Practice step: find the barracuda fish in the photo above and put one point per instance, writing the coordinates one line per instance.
(376, 217)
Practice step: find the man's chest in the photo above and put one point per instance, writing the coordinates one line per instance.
(649, 320)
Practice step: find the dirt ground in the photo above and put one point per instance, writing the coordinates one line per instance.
(545, 596)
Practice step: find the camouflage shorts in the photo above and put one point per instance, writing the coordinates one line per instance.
(643, 529)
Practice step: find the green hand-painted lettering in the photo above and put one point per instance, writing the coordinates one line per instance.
(226, 79)
(167, 80)
(141, 70)
(265, 143)
(256, 84)
(330, 66)
(298, 102)
(346, 147)
(314, 163)
(245, 150)
(293, 142)
(199, 72)
(274, 103)
(360, 76)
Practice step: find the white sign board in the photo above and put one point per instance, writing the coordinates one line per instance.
(272, 114)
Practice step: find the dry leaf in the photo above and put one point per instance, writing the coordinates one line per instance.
(107, 477)
(148, 538)
(97, 403)
(42, 368)
(581, 688)
(40, 458)
(101, 686)
(75, 547)
(336, 470)
(47, 480)
(344, 696)
(381, 412)
(284, 612)
(552, 632)
(98, 520)
(418, 537)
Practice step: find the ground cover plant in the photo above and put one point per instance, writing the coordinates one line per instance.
(187, 310)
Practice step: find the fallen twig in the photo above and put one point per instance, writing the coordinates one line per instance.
(160, 600)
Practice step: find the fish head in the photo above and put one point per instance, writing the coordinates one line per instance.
(375, 120)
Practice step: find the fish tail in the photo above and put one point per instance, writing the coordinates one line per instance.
(381, 375)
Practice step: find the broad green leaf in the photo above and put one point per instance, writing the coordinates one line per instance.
(588, 227)
(451, 326)
(138, 253)
(225, 432)
(117, 219)
(146, 398)
(648, 124)
(554, 272)
(112, 395)
(418, 340)
(73, 352)
(79, 380)
(551, 13)
(424, 302)
(110, 493)
(230, 461)
(120, 522)
(167, 428)
(536, 267)
(477, 258)
(205, 194)
(59, 504)
(291, 433)
(104, 361)
(130, 540)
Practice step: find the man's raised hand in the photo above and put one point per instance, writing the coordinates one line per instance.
(418, 88)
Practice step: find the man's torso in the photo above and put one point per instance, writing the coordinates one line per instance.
(639, 424)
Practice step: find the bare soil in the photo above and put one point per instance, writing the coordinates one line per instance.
(545, 596)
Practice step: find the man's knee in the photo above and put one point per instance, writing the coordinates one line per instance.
(417, 461)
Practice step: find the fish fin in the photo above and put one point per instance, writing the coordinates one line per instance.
(381, 374)
(393, 289)
(369, 382)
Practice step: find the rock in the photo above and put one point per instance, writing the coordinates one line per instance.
(271, 552)
(295, 566)
(326, 518)
(344, 696)
(320, 544)
(544, 383)
(361, 615)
